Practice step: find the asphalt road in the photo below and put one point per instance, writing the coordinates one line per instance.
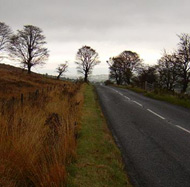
(154, 137)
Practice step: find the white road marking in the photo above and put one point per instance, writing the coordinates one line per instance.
(183, 129)
(150, 110)
(127, 97)
(155, 114)
(137, 103)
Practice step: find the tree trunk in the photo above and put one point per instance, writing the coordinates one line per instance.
(128, 80)
(86, 77)
(117, 81)
(58, 76)
(185, 85)
(29, 69)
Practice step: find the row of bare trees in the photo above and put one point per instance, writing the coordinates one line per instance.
(28, 47)
(171, 71)
(86, 59)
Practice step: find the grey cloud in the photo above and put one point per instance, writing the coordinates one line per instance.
(143, 23)
(99, 14)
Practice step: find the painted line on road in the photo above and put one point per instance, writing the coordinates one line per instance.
(127, 97)
(115, 91)
(183, 129)
(138, 103)
(121, 94)
(155, 114)
(124, 96)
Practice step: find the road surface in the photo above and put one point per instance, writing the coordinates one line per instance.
(153, 136)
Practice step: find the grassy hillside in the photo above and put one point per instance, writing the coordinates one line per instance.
(15, 80)
(38, 132)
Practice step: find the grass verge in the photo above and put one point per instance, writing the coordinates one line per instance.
(99, 161)
(185, 102)
(38, 137)
(177, 99)
(135, 89)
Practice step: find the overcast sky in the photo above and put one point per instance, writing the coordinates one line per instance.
(108, 26)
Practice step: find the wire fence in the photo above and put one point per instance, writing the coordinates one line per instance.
(8, 106)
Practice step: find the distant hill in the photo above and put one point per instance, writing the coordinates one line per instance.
(14, 81)
(99, 78)
(92, 78)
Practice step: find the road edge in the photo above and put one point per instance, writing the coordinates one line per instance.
(132, 173)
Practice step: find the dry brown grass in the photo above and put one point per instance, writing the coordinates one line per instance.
(38, 137)
(14, 81)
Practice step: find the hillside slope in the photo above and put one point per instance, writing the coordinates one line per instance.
(14, 81)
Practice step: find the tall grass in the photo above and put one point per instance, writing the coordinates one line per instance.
(177, 99)
(163, 95)
(39, 141)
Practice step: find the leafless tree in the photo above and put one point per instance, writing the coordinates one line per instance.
(27, 46)
(131, 63)
(61, 69)
(5, 32)
(123, 66)
(146, 75)
(184, 59)
(115, 66)
(86, 59)
(168, 69)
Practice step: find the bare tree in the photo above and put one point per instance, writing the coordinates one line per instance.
(146, 75)
(168, 69)
(184, 59)
(131, 63)
(115, 66)
(27, 46)
(123, 66)
(5, 32)
(86, 58)
(61, 69)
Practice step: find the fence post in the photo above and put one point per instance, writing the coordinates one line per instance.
(13, 101)
(22, 99)
(36, 94)
(145, 85)
(28, 96)
(3, 107)
(12, 110)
